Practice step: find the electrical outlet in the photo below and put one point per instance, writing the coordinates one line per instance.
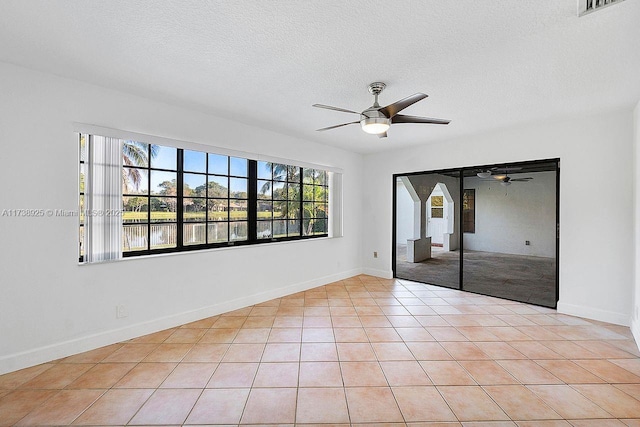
(121, 311)
(527, 243)
(375, 254)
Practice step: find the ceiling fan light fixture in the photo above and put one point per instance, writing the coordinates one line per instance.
(376, 120)
(375, 125)
(484, 174)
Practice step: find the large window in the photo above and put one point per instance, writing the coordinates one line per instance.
(227, 199)
(149, 197)
(315, 194)
(176, 199)
(292, 201)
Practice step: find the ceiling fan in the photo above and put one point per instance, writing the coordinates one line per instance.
(377, 120)
(504, 179)
(507, 180)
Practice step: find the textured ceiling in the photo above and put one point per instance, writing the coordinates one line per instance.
(484, 64)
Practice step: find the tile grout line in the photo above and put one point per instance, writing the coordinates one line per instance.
(377, 295)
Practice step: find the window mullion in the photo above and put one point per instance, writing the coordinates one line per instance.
(206, 200)
(148, 197)
(252, 202)
(180, 198)
(301, 205)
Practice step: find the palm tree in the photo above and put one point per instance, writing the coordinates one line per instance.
(279, 174)
(135, 153)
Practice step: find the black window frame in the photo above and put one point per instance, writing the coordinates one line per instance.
(294, 183)
(149, 195)
(251, 201)
(320, 206)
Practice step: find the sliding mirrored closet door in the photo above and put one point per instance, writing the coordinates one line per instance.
(490, 230)
(509, 237)
(428, 228)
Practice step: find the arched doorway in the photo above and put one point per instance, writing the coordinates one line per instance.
(440, 210)
(427, 228)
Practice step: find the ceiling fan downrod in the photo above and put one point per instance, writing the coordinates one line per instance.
(374, 89)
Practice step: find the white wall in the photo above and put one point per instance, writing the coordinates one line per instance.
(635, 325)
(404, 214)
(51, 307)
(425, 185)
(508, 216)
(596, 269)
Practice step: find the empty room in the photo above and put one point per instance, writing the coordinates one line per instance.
(320, 213)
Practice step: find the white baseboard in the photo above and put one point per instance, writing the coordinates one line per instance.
(32, 357)
(594, 313)
(378, 273)
(635, 330)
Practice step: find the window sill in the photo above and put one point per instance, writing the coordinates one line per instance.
(202, 251)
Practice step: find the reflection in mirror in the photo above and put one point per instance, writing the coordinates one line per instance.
(510, 233)
(427, 228)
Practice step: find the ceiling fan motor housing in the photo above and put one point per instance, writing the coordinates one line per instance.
(374, 121)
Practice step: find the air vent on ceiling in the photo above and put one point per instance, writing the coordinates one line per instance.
(587, 6)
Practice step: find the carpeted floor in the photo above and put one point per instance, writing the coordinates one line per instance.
(516, 277)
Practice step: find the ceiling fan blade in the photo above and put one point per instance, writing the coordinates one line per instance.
(382, 135)
(400, 118)
(393, 109)
(506, 169)
(329, 107)
(336, 126)
(522, 179)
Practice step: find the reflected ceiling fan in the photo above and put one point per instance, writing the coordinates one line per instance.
(507, 180)
(504, 179)
(377, 120)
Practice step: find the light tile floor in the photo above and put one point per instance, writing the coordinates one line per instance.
(359, 351)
